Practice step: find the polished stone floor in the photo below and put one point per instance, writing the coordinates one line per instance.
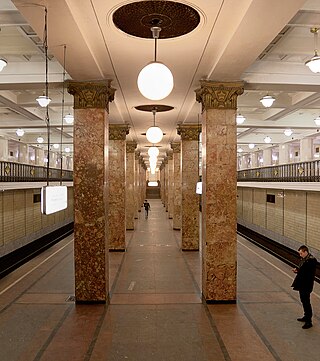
(155, 311)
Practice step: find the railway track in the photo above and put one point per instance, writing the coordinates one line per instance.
(280, 251)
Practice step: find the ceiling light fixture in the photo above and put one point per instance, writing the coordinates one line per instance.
(314, 63)
(43, 100)
(40, 139)
(239, 150)
(3, 64)
(20, 132)
(267, 139)
(288, 132)
(153, 151)
(251, 146)
(267, 101)
(67, 149)
(68, 118)
(154, 134)
(155, 80)
(56, 146)
(240, 119)
(317, 120)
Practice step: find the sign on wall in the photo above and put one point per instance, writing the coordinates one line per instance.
(53, 199)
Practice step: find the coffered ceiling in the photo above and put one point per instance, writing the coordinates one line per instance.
(264, 43)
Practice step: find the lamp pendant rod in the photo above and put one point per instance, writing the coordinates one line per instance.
(45, 38)
(62, 107)
(155, 49)
(316, 42)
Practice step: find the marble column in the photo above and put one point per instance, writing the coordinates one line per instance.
(284, 153)
(162, 182)
(4, 153)
(117, 187)
(137, 184)
(267, 157)
(219, 190)
(24, 153)
(189, 178)
(130, 201)
(306, 149)
(166, 183)
(170, 184)
(142, 181)
(176, 186)
(90, 180)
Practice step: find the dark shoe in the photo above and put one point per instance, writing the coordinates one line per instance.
(307, 325)
(302, 319)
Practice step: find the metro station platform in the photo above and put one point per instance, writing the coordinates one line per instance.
(156, 310)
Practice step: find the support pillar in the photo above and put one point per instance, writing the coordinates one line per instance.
(176, 186)
(117, 186)
(137, 208)
(130, 205)
(170, 184)
(189, 178)
(219, 190)
(90, 179)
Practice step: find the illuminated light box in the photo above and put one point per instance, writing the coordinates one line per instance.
(199, 188)
(53, 199)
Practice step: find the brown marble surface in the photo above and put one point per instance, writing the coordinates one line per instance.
(117, 193)
(189, 200)
(170, 186)
(177, 190)
(90, 205)
(219, 205)
(130, 206)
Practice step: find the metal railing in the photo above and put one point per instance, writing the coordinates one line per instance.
(293, 172)
(17, 172)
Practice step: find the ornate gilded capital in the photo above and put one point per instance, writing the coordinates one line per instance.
(118, 131)
(91, 94)
(130, 147)
(219, 95)
(176, 147)
(170, 155)
(189, 132)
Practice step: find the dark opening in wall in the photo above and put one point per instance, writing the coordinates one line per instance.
(37, 198)
(271, 198)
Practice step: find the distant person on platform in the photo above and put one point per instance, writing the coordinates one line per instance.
(303, 283)
(146, 205)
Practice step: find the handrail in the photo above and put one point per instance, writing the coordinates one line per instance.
(292, 172)
(18, 172)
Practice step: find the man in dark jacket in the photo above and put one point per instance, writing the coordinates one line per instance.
(303, 283)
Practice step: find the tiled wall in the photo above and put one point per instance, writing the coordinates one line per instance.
(21, 220)
(293, 219)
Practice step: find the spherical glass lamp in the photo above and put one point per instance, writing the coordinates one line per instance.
(288, 132)
(317, 121)
(56, 146)
(40, 139)
(68, 118)
(267, 101)
(19, 132)
(251, 145)
(267, 139)
(155, 81)
(153, 151)
(154, 135)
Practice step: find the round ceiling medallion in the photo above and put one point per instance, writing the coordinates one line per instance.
(150, 107)
(174, 18)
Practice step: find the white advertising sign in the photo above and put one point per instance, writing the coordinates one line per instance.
(199, 188)
(53, 199)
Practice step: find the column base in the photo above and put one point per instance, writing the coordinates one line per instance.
(117, 250)
(188, 249)
(130, 229)
(98, 302)
(176, 228)
(211, 302)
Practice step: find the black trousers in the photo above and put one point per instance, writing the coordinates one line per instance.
(305, 300)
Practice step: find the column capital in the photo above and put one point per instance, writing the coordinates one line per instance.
(91, 94)
(176, 146)
(130, 147)
(170, 154)
(219, 95)
(118, 131)
(189, 132)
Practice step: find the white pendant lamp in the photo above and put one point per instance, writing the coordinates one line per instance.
(240, 119)
(43, 101)
(317, 120)
(56, 146)
(40, 139)
(153, 151)
(314, 63)
(68, 118)
(20, 132)
(267, 139)
(154, 134)
(3, 64)
(251, 145)
(155, 80)
(288, 132)
(267, 101)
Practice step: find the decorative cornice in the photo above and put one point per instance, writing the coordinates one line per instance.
(118, 131)
(176, 147)
(219, 95)
(91, 94)
(189, 132)
(130, 147)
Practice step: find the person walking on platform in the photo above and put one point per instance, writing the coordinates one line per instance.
(303, 283)
(146, 205)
